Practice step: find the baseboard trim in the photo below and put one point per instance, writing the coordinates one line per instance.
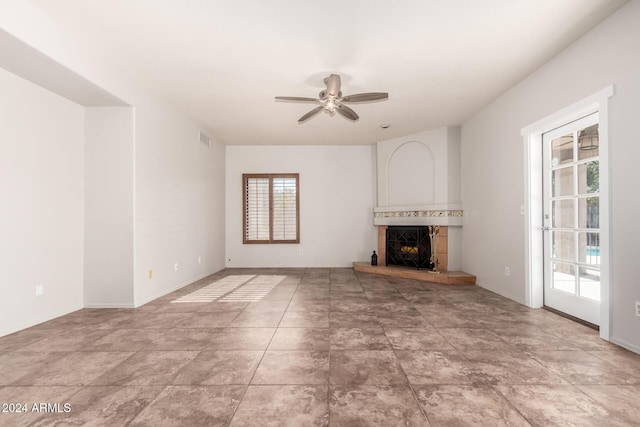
(39, 320)
(624, 344)
(107, 305)
(495, 291)
(175, 288)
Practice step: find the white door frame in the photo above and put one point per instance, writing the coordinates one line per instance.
(532, 138)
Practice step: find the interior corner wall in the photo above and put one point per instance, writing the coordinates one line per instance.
(453, 164)
(179, 201)
(42, 197)
(493, 167)
(108, 261)
(337, 197)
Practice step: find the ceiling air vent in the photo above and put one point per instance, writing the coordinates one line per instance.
(205, 139)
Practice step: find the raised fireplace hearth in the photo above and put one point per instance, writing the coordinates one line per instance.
(409, 247)
(439, 246)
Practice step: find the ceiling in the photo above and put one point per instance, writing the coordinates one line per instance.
(222, 62)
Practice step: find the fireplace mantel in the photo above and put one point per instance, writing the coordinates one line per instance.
(445, 215)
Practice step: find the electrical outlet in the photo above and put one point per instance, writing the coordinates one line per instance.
(507, 271)
(638, 308)
(150, 274)
(39, 290)
(175, 267)
(301, 251)
(199, 260)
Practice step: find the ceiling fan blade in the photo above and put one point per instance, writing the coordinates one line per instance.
(310, 114)
(295, 98)
(362, 97)
(347, 112)
(333, 85)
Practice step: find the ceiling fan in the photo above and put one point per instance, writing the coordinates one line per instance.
(332, 101)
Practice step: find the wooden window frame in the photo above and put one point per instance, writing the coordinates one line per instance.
(271, 177)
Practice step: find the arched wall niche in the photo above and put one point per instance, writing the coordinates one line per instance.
(411, 175)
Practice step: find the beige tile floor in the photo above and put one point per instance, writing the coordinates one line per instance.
(325, 347)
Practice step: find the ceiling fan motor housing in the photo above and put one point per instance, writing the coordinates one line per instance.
(333, 85)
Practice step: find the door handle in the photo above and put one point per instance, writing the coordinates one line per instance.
(544, 228)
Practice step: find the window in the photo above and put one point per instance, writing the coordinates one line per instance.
(271, 208)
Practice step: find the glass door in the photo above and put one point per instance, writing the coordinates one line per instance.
(571, 219)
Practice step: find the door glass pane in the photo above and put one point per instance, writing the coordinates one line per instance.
(589, 212)
(562, 214)
(564, 245)
(589, 177)
(562, 182)
(590, 283)
(589, 248)
(564, 277)
(562, 150)
(588, 143)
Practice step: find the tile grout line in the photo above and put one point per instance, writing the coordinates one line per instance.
(244, 393)
(413, 392)
(511, 405)
(329, 386)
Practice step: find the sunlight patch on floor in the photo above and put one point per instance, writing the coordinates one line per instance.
(216, 289)
(255, 290)
(235, 288)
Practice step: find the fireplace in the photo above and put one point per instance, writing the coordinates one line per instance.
(408, 246)
(439, 238)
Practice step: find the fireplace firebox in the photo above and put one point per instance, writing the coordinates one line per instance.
(408, 247)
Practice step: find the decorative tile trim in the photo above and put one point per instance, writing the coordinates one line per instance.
(419, 214)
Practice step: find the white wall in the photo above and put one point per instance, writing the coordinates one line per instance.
(431, 175)
(180, 187)
(453, 164)
(493, 167)
(41, 204)
(337, 197)
(410, 175)
(108, 261)
(179, 183)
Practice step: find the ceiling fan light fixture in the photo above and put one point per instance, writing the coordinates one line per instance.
(330, 105)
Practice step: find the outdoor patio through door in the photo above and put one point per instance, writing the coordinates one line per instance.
(571, 223)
